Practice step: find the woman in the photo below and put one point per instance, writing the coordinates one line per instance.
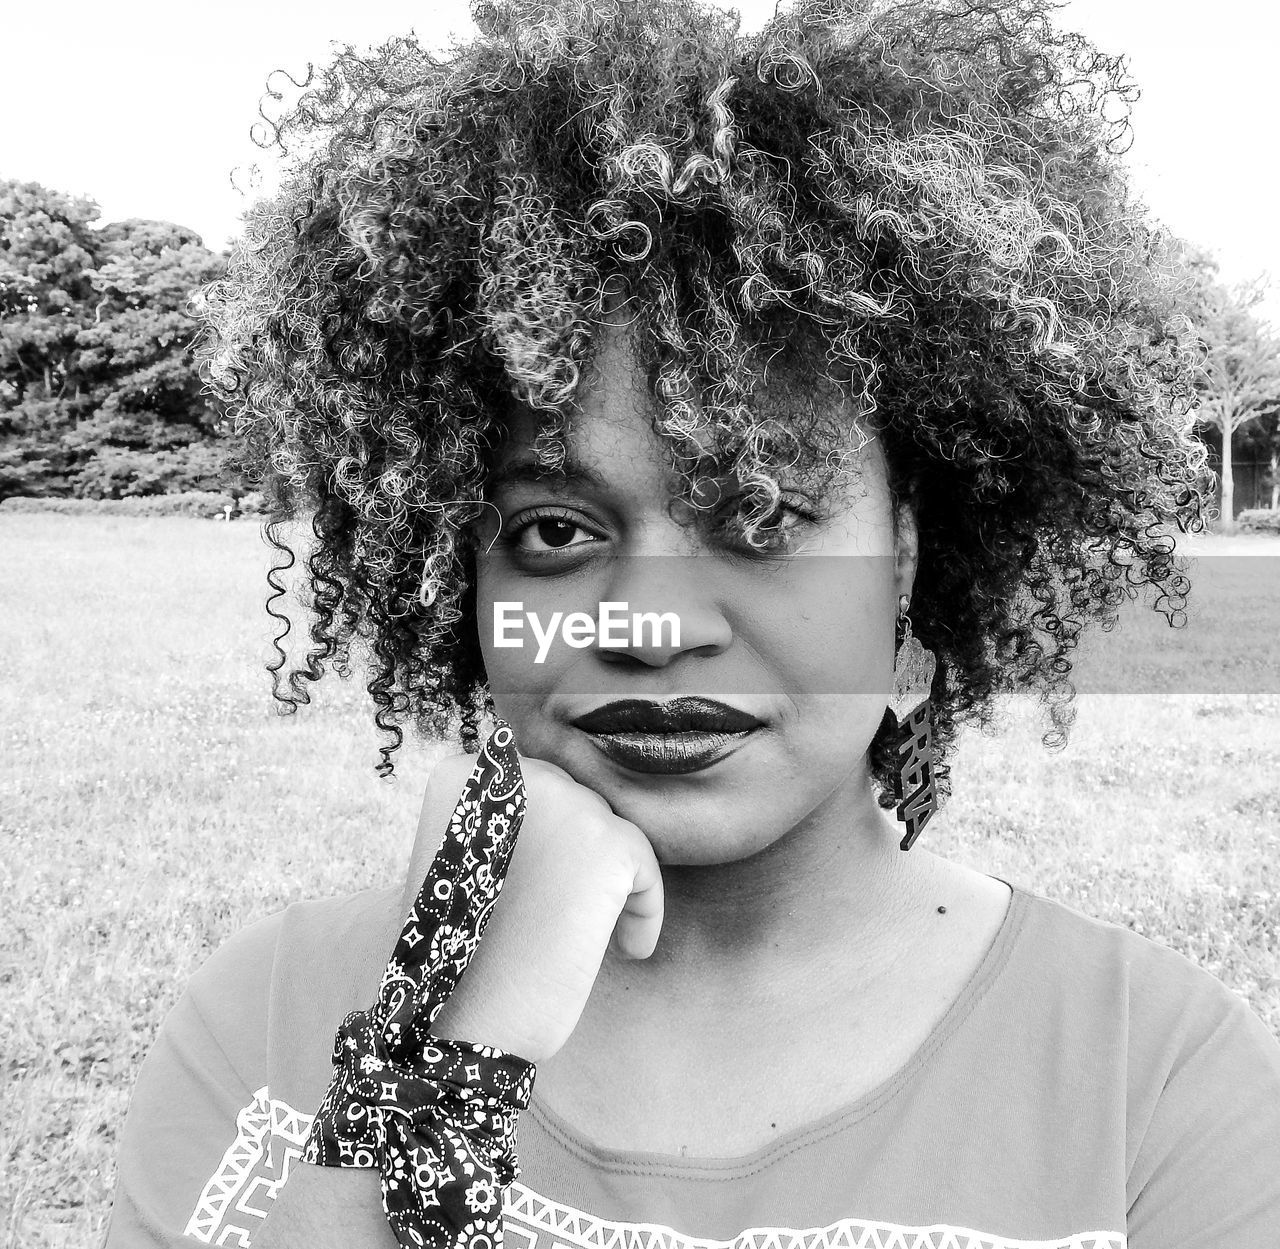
(811, 342)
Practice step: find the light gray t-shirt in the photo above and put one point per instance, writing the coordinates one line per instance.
(1088, 1089)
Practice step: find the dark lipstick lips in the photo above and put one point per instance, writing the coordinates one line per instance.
(681, 736)
(680, 715)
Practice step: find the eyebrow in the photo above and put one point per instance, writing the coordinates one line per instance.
(525, 470)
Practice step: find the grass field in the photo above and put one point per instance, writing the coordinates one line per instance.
(152, 803)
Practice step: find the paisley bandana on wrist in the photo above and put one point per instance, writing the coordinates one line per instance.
(436, 1116)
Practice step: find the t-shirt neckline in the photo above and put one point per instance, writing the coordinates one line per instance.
(839, 1120)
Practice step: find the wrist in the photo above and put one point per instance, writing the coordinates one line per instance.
(466, 1019)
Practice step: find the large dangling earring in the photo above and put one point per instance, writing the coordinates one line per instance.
(913, 780)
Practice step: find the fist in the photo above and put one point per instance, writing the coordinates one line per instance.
(581, 881)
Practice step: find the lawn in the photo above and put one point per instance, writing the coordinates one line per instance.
(152, 803)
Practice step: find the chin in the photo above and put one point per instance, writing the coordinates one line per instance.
(685, 833)
(672, 852)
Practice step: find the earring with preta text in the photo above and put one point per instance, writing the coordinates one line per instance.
(913, 780)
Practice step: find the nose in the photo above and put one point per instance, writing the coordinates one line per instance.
(655, 593)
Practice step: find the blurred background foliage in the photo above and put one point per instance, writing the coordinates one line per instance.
(99, 396)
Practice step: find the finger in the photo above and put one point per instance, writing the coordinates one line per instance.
(636, 937)
(639, 924)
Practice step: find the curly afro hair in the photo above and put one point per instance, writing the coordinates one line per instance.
(920, 206)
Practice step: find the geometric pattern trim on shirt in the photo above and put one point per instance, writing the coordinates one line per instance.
(269, 1138)
(565, 1227)
(270, 1135)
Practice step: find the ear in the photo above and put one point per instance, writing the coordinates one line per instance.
(906, 548)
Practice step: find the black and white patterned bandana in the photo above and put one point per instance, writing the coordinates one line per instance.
(437, 1117)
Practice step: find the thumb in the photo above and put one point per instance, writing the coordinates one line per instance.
(639, 925)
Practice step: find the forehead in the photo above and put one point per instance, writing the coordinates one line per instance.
(611, 424)
(611, 421)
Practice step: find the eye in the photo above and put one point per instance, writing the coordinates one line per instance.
(544, 531)
(778, 529)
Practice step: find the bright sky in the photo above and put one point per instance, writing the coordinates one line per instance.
(145, 105)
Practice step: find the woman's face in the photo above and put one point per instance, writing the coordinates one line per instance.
(798, 646)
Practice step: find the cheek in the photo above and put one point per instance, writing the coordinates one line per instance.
(833, 634)
(518, 682)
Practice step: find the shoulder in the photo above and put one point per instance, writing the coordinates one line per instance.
(245, 1050)
(1195, 1069)
(312, 961)
(1109, 960)
(1190, 1044)
(303, 935)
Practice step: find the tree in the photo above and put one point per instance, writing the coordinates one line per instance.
(136, 349)
(98, 389)
(1240, 376)
(46, 252)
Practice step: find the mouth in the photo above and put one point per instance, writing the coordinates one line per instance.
(680, 736)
